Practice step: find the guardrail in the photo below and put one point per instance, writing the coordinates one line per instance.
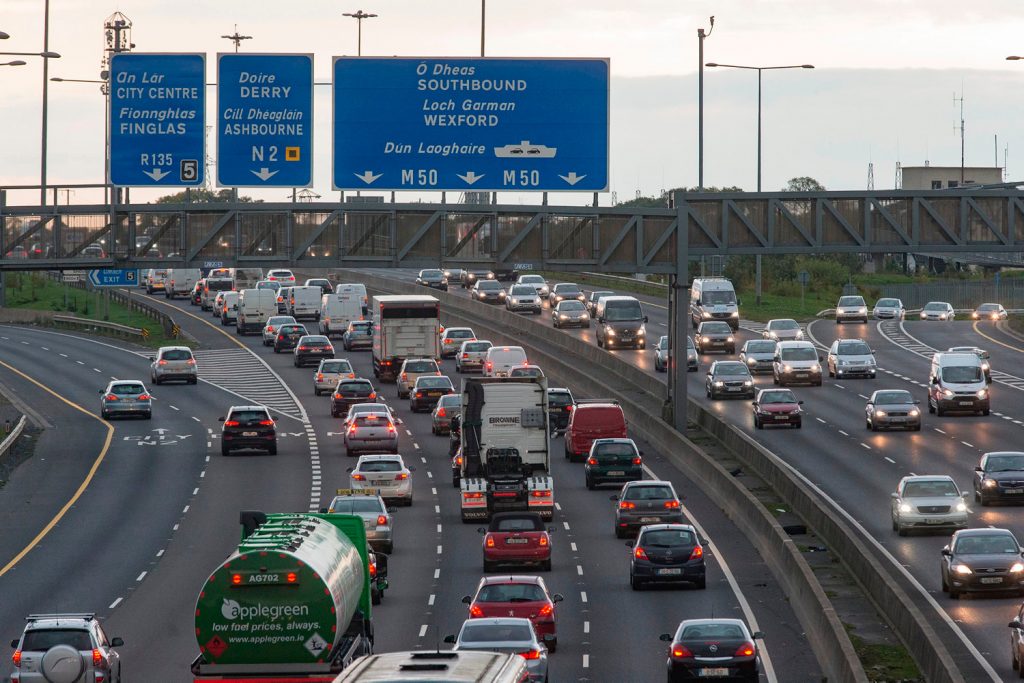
(560, 354)
(138, 305)
(123, 330)
(9, 440)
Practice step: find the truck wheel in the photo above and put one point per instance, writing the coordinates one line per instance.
(590, 483)
(375, 596)
(455, 481)
(389, 548)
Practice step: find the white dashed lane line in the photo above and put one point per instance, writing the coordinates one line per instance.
(865, 445)
(115, 603)
(423, 630)
(141, 576)
(821, 421)
(969, 445)
(890, 460)
(843, 433)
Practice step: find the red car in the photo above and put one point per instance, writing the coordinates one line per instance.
(516, 538)
(525, 597)
(777, 407)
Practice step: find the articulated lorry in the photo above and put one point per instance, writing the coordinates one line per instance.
(404, 327)
(292, 603)
(505, 446)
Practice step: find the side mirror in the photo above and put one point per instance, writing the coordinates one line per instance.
(945, 552)
(449, 638)
(935, 380)
(753, 403)
(116, 642)
(776, 359)
(557, 597)
(799, 403)
(100, 392)
(628, 544)
(466, 599)
(481, 530)
(978, 469)
(894, 495)
(758, 635)
(1013, 624)
(551, 529)
(601, 320)
(665, 637)
(917, 403)
(549, 638)
(640, 451)
(323, 510)
(965, 495)
(645, 318)
(613, 498)
(14, 643)
(411, 468)
(738, 302)
(220, 419)
(349, 469)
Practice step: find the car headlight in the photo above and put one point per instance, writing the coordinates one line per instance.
(501, 295)
(706, 315)
(962, 569)
(719, 384)
(974, 315)
(942, 316)
(610, 331)
(730, 340)
(1017, 568)
(985, 367)
(923, 315)
(748, 383)
(787, 368)
(879, 413)
(563, 316)
(585, 316)
(915, 412)
(961, 506)
(734, 314)
(815, 368)
(799, 334)
(751, 361)
(946, 393)
(988, 483)
(773, 335)
(982, 393)
(705, 339)
(844, 362)
(642, 331)
(905, 507)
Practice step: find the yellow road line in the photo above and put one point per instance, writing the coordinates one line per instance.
(81, 488)
(993, 339)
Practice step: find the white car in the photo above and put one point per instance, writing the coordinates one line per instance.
(539, 284)
(274, 324)
(285, 277)
(849, 357)
(783, 329)
(471, 356)
(889, 309)
(387, 474)
(928, 502)
(851, 308)
(524, 297)
(937, 310)
(452, 339)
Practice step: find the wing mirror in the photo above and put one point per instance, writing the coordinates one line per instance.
(894, 495)
(220, 419)
(1013, 624)
(758, 635)
(645, 318)
(665, 637)
(557, 597)
(152, 359)
(323, 510)
(628, 544)
(449, 638)
(14, 643)
(466, 599)
(349, 469)
(481, 530)
(945, 552)
(799, 403)
(979, 469)
(935, 380)
(613, 498)
(116, 642)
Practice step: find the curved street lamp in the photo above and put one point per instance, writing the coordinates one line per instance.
(16, 62)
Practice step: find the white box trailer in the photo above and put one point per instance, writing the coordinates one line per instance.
(404, 327)
(505, 443)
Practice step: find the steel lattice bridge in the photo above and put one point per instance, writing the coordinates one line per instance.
(567, 238)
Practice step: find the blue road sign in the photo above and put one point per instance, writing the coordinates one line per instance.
(265, 126)
(114, 277)
(480, 124)
(157, 119)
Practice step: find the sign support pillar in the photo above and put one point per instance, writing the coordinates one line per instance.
(678, 315)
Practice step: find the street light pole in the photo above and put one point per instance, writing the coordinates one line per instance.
(359, 15)
(483, 23)
(46, 91)
(700, 103)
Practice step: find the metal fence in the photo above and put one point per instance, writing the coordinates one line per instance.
(960, 293)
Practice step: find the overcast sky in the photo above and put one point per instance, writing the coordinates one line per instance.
(883, 88)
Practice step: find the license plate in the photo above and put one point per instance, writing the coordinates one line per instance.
(801, 375)
(713, 672)
(648, 519)
(934, 521)
(897, 419)
(617, 473)
(368, 523)
(733, 388)
(965, 403)
(675, 571)
(1013, 491)
(517, 540)
(781, 417)
(248, 433)
(992, 579)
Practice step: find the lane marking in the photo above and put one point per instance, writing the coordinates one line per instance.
(173, 407)
(63, 354)
(430, 600)
(566, 525)
(198, 420)
(865, 445)
(843, 433)
(586, 661)
(583, 596)
(890, 460)
(160, 553)
(439, 548)
(175, 527)
(586, 627)
(579, 570)
(433, 490)
(185, 510)
(821, 421)
(423, 630)
(558, 506)
(77, 361)
(430, 475)
(140, 577)
(408, 432)
(115, 603)
(97, 370)
(438, 528)
(81, 487)
(938, 430)
(437, 509)
(969, 445)
(195, 491)
(573, 546)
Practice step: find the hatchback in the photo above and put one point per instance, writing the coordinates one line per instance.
(892, 409)
(173, 363)
(526, 371)
(646, 502)
(758, 355)
(777, 407)
(504, 634)
(441, 418)
(248, 427)
(704, 649)
(288, 337)
(983, 560)
(412, 369)
(889, 309)
(471, 355)
(387, 475)
(453, 338)
(329, 373)
(370, 433)
(937, 310)
(433, 278)
(539, 284)
(323, 283)
(312, 347)
(715, 335)
(589, 420)
(728, 378)
(285, 277)
(570, 313)
(125, 397)
(560, 407)
(517, 596)
(350, 392)
(666, 553)
(427, 391)
(358, 335)
(851, 358)
(376, 516)
(516, 538)
(613, 461)
(273, 326)
(783, 329)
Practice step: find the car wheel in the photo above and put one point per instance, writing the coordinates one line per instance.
(375, 597)
(618, 533)
(634, 583)
(818, 383)
(775, 380)
(105, 415)
(985, 502)
(149, 415)
(224, 450)
(830, 373)
(900, 529)
(552, 646)
(895, 526)
(276, 349)
(156, 380)
(600, 344)
(455, 481)
(194, 380)
(757, 423)
(939, 411)
(389, 548)
(590, 483)
(568, 454)
(872, 426)
(917, 427)
(701, 583)
(931, 408)
(798, 424)
(273, 450)
(986, 411)
(954, 594)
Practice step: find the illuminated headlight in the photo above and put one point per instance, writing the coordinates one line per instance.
(974, 315)
(879, 413)
(642, 331)
(942, 316)
(544, 290)
(748, 383)
(751, 361)
(490, 276)
(799, 334)
(962, 569)
(815, 368)
(862, 309)
(1017, 568)
(705, 339)
(563, 316)
(610, 331)
(982, 393)
(581, 297)
(914, 413)
(773, 335)
(501, 295)
(706, 315)
(734, 314)
(444, 281)
(995, 316)
(719, 384)
(730, 339)
(787, 368)
(989, 483)
(923, 315)
(585, 316)
(905, 507)
(961, 506)
(985, 366)
(946, 393)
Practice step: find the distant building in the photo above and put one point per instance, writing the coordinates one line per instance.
(944, 177)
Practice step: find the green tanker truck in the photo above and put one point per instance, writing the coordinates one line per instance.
(291, 603)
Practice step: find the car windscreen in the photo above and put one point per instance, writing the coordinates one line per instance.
(355, 386)
(176, 354)
(432, 274)
(888, 398)
(649, 493)
(489, 286)
(935, 306)
(219, 285)
(988, 307)
(495, 633)
(316, 341)
(778, 397)
(731, 369)
(293, 329)
(511, 592)
(379, 465)
(524, 523)
(450, 401)
(663, 344)
(1004, 463)
(559, 399)
(523, 290)
(784, 325)
(478, 346)
(715, 328)
(268, 285)
(39, 640)
(798, 354)
(624, 310)
(340, 366)
(566, 306)
(853, 348)
(433, 383)
(986, 544)
(887, 303)
(760, 347)
(526, 372)
(533, 279)
(718, 297)
(360, 327)
(421, 366)
(249, 416)
(961, 374)
(343, 506)
(667, 538)
(126, 389)
(930, 489)
(851, 301)
(281, 320)
(567, 290)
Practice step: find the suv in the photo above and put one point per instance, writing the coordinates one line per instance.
(248, 427)
(560, 407)
(590, 420)
(173, 362)
(55, 645)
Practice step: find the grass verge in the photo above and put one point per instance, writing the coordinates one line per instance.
(883, 662)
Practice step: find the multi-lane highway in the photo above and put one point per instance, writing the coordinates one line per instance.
(859, 469)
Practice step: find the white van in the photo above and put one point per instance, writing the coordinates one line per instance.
(338, 310)
(500, 360)
(956, 382)
(246, 278)
(255, 307)
(360, 290)
(304, 302)
(229, 308)
(714, 298)
(181, 281)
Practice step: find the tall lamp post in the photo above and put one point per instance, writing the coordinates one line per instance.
(359, 16)
(759, 69)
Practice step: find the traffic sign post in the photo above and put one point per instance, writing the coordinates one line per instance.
(113, 277)
(157, 119)
(804, 278)
(478, 124)
(265, 126)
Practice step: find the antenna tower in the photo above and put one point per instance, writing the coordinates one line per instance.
(961, 128)
(871, 175)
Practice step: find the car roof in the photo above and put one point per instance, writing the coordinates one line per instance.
(174, 348)
(983, 531)
(249, 408)
(388, 457)
(664, 527)
(646, 482)
(707, 622)
(927, 477)
(452, 329)
(511, 578)
(615, 440)
(794, 344)
(119, 382)
(890, 391)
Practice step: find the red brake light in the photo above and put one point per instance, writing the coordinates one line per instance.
(337, 395)
(352, 429)
(543, 541)
(97, 657)
(405, 376)
(671, 504)
(391, 427)
(351, 375)
(465, 355)
(419, 394)
(745, 650)
(569, 408)
(358, 477)
(382, 520)
(447, 341)
(401, 476)
(546, 610)
(591, 461)
(270, 328)
(292, 577)
(490, 541)
(680, 652)
(319, 377)
(266, 423)
(626, 505)
(373, 394)
(236, 579)
(373, 569)
(163, 362)
(16, 658)
(190, 361)
(640, 554)
(530, 654)
(144, 397)
(697, 553)
(231, 423)
(475, 611)
(441, 412)
(637, 460)
(111, 397)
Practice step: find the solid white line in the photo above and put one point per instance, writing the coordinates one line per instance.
(423, 630)
(843, 433)
(141, 576)
(573, 546)
(838, 386)
(430, 600)
(160, 553)
(583, 596)
(586, 661)
(863, 396)
(173, 407)
(115, 603)
(890, 460)
(969, 445)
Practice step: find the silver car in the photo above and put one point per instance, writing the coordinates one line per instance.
(52, 645)
(758, 355)
(892, 409)
(126, 397)
(273, 326)
(937, 310)
(850, 358)
(889, 309)
(783, 329)
(377, 519)
(471, 355)
(851, 308)
(523, 298)
(539, 284)
(661, 355)
(505, 634)
(330, 372)
(928, 502)
(173, 362)
(570, 313)
(646, 502)
(387, 475)
(441, 418)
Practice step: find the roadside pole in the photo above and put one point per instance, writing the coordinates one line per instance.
(679, 316)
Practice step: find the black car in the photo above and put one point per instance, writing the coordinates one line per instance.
(489, 292)
(983, 560)
(471, 275)
(313, 347)
(248, 427)
(999, 477)
(667, 553)
(433, 278)
(428, 391)
(560, 407)
(323, 283)
(350, 392)
(288, 337)
(702, 649)
(728, 378)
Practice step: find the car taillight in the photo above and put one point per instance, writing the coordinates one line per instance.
(16, 658)
(266, 423)
(637, 460)
(447, 341)
(591, 461)
(546, 610)
(373, 394)
(543, 542)
(337, 395)
(680, 652)
(351, 375)
(270, 328)
(671, 504)
(745, 650)
(698, 552)
(458, 460)
(382, 520)
(530, 654)
(358, 477)
(110, 397)
(144, 397)
(419, 394)
(401, 476)
(438, 373)
(352, 429)
(626, 505)
(475, 611)
(405, 376)
(231, 423)
(162, 362)
(373, 569)
(97, 657)
(490, 366)
(391, 428)
(441, 412)
(640, 554)
(190, 361)
(569, 408)
(489, 541)
(303, 348)
(319, 377)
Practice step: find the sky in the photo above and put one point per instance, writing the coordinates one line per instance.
(883, 90)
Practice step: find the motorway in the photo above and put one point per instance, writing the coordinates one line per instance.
(155, 519)
(859, 469)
